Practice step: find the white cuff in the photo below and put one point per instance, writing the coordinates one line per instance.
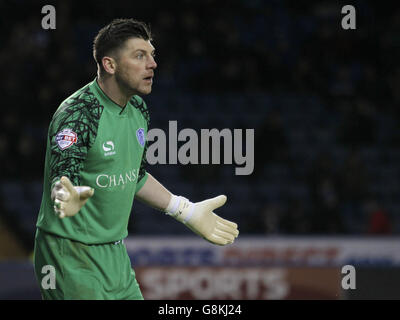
(180, 208)
(173, 205)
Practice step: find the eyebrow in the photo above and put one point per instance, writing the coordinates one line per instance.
(144, 51)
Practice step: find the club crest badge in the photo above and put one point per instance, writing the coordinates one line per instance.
(141, 136)
(66, 138)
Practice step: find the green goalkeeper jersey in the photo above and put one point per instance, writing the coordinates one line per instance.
(96, 143)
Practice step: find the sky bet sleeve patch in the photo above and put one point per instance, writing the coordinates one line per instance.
(66, 138)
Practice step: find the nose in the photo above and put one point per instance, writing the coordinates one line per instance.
(152, 63)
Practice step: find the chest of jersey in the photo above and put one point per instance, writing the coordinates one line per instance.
(113, 161)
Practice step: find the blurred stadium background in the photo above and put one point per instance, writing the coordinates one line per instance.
(324, 105)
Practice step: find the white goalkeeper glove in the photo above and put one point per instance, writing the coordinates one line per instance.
(201, 219)
(68, 200)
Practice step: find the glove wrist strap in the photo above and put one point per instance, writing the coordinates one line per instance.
(180, 208)
(173, 205)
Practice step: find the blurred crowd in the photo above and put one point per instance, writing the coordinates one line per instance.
(250, 48)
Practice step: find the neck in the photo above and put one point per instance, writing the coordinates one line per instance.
(113, 90)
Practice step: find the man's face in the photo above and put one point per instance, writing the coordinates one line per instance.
(135, 66)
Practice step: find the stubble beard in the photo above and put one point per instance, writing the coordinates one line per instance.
(125, 85)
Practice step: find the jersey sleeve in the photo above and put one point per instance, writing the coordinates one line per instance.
(72, 132)
(142, 170)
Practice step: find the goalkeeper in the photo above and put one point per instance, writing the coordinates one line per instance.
(95, 168)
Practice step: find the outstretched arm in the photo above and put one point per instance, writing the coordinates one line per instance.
(154, 194)
(199, 216)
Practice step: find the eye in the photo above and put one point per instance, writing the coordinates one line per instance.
(140, 55)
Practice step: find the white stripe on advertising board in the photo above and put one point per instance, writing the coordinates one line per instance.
(264, 251)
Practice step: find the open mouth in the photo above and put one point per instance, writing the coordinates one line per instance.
(148, 78)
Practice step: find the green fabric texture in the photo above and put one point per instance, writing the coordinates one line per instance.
(83, 272)
(96, 143)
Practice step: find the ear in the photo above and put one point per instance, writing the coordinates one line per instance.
(109, 64)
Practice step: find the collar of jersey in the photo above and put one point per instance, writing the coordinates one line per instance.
(107, 102)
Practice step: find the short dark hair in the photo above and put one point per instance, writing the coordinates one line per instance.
(114, 35)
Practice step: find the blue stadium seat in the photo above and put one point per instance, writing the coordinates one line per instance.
(27, 215)
(13, 194)
(277, 170)
(269, 193)
(298, 191)
(35, 193)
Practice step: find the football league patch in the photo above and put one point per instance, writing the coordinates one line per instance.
(140, 136)
(66, 138)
